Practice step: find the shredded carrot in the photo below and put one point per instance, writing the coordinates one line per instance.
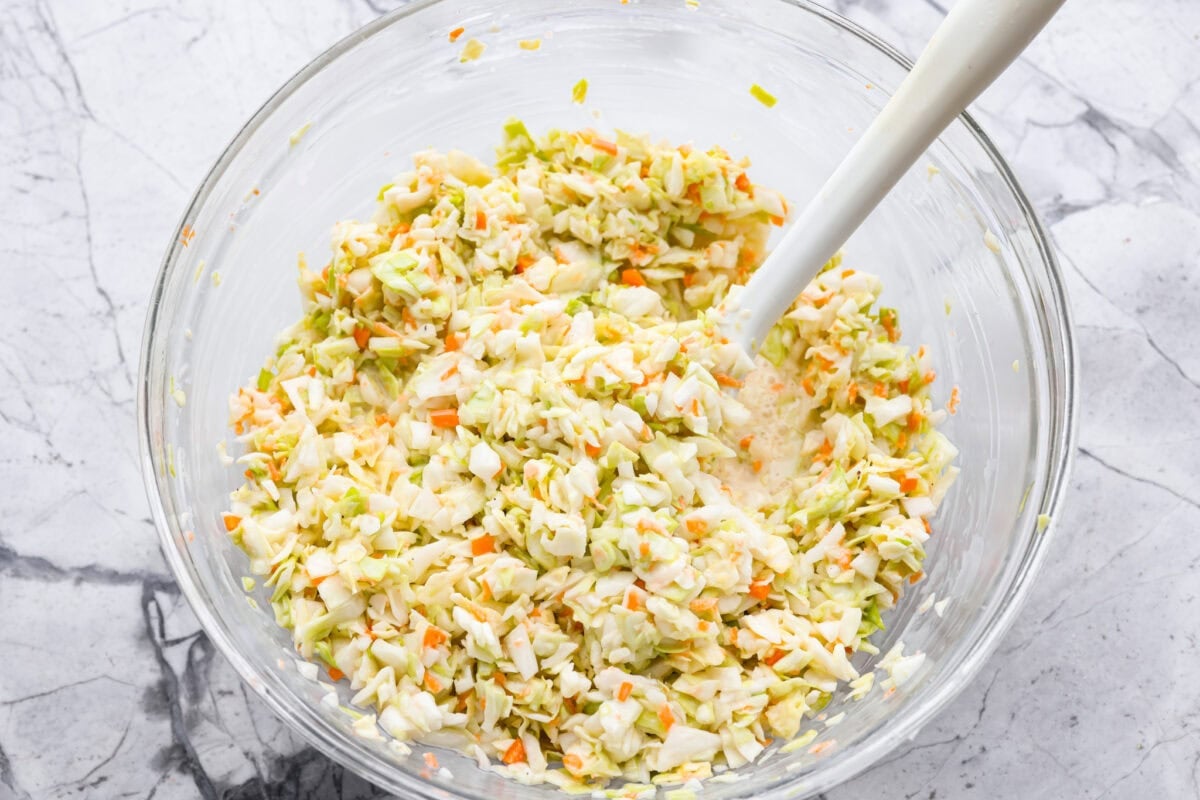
(902, 386)
(361, 336)
(916, 577)
(745, 441)
(644, 549)
(727, 380)
(633, 600)
(902, 441)
(928, 528)
(776, 221)
(914, 420)
(929, 377)
(889, 327)
(593, 450)
(186, 235)
(632, 277)
(572, 762)
(480, 220)
(665, 716)
(231, 521)
(760, 590)
(689, 278)
(774, 657)
(703, 605)
(515, 753)
(524, 263)
(955, 399)
(605, 146)
(908, 483)
(809, 389)
(742, 182)
(879, 390)
(336, 674)
(431, 760)
(757, 465)
(500, 679)
(273, 471)
(444, 418)
(481, 545)
(432, 683)
(696, 526)
(824, 451)
(624, 691)
(433, 637)
(453, 342)
(852, 392)
(457, 32)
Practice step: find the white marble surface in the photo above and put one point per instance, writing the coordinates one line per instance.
(110, 114)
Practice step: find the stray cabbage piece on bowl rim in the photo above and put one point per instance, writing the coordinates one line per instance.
(507, 477)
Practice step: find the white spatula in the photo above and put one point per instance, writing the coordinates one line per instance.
(975, 43)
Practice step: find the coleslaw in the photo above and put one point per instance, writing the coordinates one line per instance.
(509, 479)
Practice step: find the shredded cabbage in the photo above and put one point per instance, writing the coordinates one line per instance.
(509, 478)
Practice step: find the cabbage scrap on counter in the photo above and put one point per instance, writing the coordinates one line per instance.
(509, 479)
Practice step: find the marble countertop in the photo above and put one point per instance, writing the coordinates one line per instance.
(111, 113)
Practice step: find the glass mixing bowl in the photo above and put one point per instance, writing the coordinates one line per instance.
(962, 257)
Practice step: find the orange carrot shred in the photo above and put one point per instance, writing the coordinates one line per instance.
(631, 277)
(605, 146)
(457, 32)
(431, 760)
(336, 674)
(231, 521)
(696, 526)
(433, 637)
(727, 380)
(480, 220)
(481, 545)
(774, 657)
(760, 590)
(742, 182)
(444, 418)
(624, 691)
(665, 716)
(452, 342)
(432, 683)
(361, 336)
(593, 450)
(633, 600)
(515, 753)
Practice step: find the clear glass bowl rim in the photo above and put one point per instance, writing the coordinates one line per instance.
(1053, 315)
